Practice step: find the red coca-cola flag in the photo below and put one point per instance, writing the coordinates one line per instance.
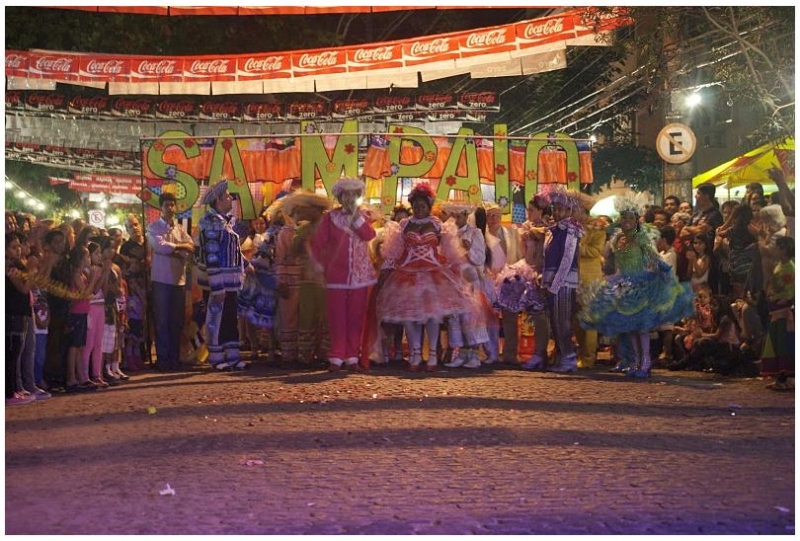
(430, 49)
(17, 64)
(546, 30)
(597, 20)
(209, 69)
(374, 56)
(153, 69)
(104, 68)
(54, 65)
(266, 66)
(487, 41)
(319, 62)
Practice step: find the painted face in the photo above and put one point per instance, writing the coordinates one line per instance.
(421, 208)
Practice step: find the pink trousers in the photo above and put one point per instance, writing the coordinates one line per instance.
(346, 311)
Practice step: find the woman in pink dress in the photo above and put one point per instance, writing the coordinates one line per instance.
(418, 288)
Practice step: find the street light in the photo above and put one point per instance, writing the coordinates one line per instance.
(693, 99)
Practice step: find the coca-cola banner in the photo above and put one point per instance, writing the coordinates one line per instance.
(402, 56)
(480, 101)
(113, 184)
(104, 107)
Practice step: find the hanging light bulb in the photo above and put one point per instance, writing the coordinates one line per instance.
(21, 194)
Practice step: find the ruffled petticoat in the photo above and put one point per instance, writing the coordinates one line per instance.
(638, 302)
(419, 294)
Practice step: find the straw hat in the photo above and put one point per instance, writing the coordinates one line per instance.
(303, 199)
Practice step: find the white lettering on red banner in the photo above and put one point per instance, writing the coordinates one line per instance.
(486, 39)
(436, 46)
(320, 60)
(105, 67)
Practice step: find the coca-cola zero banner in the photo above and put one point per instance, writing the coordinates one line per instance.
(102, 106)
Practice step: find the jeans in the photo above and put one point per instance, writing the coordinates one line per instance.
(169, 307)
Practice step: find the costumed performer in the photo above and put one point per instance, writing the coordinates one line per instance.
(340, 244)
(642, 295)
(417, 287)
(222, 270)
(560, 274)
(469, 330)
(301, 304)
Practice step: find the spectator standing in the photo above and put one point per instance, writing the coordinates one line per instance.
(171, 248)
(18, 315)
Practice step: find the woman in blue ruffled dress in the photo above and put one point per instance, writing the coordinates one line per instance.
(642, 295)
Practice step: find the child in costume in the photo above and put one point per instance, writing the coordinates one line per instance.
(560, 274)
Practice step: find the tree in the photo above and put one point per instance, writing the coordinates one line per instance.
(745, 50)
(639, 167)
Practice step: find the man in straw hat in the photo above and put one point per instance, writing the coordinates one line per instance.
(303, 332)
(222, 269)
(340, 245)
(172, 247)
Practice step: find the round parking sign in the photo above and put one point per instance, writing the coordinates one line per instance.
(676, 143)
(97, 218)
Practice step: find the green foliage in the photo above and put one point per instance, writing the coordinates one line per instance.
(639, 167)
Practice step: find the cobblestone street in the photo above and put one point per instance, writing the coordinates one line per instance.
(491, 451)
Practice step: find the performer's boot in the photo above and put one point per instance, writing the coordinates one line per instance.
(415, 362)
(537, 362)
(472, 359)
(643, 370)
(432, 361)
(459, 358)
(568, 363)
